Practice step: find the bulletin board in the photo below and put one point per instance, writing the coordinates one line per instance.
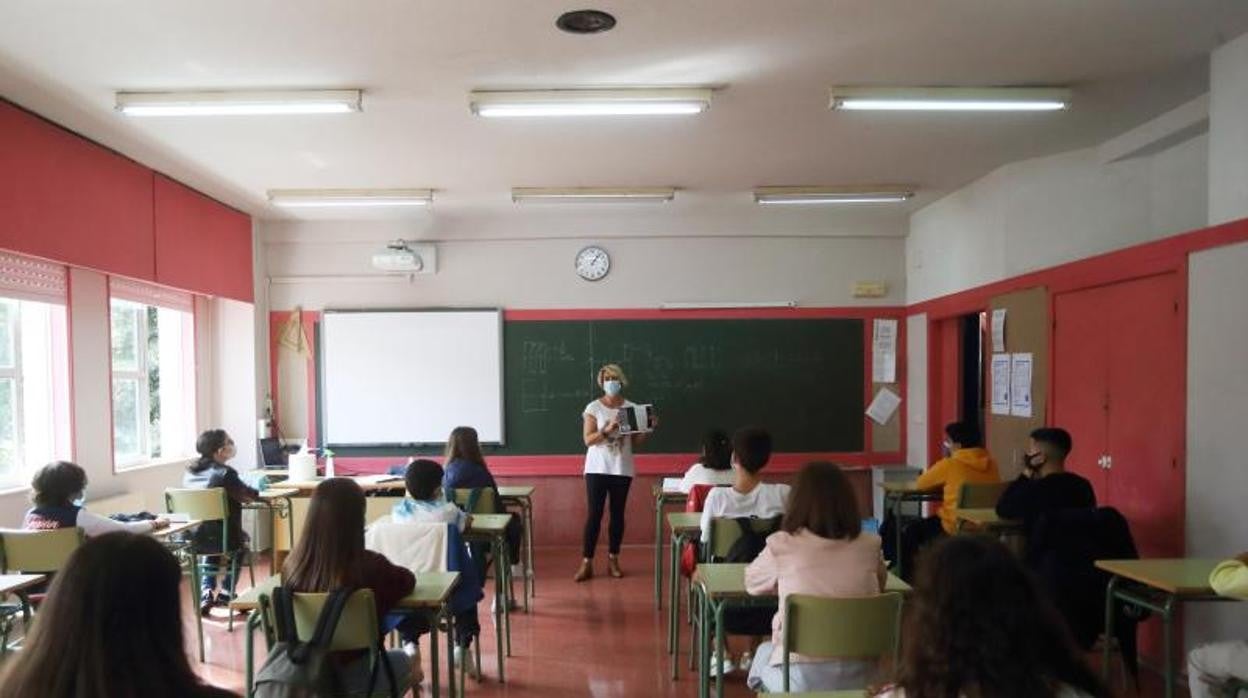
(1026, 330)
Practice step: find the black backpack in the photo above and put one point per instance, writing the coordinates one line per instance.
(753, 538)
(296, 669)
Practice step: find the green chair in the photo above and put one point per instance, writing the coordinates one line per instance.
(357, 629)
(32, 552)
(206, 506)
(979, 495)
(478, 500)
(845, 628)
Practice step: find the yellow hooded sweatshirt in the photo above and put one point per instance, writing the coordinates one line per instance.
(974, 465)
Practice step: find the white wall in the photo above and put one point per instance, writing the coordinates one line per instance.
(234, 377)
(1217, 388)
(1047, 211)
(1228, 132)
(538, 273)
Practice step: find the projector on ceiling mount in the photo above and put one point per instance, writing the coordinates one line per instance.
(401, 258)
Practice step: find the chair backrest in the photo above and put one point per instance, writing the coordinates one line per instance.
(378, 508)
(298, 518)
(357, 627)
(38, 551)
(208, 504)
(485, 500)
(866, 627)
(980, 495)
(725, 531)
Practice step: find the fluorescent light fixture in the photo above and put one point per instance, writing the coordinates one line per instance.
(238, 103)
(624, 102)
(593, 195)
(730, 305)
(884, 194)
(950, 98)
(343, 198)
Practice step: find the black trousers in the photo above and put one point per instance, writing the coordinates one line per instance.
(598, 489)
(915, 536)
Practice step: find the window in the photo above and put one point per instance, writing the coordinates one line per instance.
(34, 368)
(153, 362)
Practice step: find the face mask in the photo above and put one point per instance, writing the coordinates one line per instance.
(612, 387)
(1032, 461)
(946, 448)
(82, 499)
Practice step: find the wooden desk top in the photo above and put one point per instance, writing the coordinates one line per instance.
(432, 590)
(987, 518)
(657, 491)
(488, 524)
(10, 583)
(277, 493)
(309, 485)
(175, 528)
(516, 491)
(908, 488)
(684, 521)
(1178, 576)
(725, 580)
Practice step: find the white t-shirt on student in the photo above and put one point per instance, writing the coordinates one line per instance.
(614, 456)
(699, 474)
(763, 502)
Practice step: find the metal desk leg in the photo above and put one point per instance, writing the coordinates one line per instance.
(673, 613)
(530, 577)
(249, 659)
(704, 650)
(897, 539)
(1110, 590)
(433, 656)
(658, 550)
(500, 607)
(505, 556)
(456, 684)
(720, 642)
(195, 592)
(1167, 644)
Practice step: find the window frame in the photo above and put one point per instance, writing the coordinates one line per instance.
(140, 377)
(19, 389)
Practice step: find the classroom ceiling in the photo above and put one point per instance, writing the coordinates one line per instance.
(772, 62)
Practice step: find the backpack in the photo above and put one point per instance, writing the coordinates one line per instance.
(752, 540)
(296, 669)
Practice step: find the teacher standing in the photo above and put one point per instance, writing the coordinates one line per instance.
(608, 470)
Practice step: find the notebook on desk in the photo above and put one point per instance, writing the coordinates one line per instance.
(672, 484)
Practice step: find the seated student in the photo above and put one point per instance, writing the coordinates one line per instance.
(466, 470)
(1045, 486)
(111, 626)
(216, 448)
(58, 491)
(1209, 666)
(715, 467)
(965, 461)
(428, 505)
(330, 555)
(976, 625)
(820, 549)
(748, 497)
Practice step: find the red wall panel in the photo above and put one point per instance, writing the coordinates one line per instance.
(67, 199)
(201, 245)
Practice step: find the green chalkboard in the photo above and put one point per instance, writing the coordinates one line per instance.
(802, 379)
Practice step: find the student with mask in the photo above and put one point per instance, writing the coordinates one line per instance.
(608, 469)
(1045, 486)
(209, 471)
(58, 491)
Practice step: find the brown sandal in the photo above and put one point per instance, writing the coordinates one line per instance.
(585, 572)
(613, 566)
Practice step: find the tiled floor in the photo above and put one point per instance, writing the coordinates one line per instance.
(602, 639)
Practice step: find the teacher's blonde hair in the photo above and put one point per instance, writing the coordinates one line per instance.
(613, 370)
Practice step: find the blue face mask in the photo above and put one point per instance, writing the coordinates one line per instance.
(82, 499)
(612, 387)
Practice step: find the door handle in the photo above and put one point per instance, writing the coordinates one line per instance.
(1109, 462)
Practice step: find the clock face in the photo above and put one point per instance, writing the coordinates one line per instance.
(592, 263)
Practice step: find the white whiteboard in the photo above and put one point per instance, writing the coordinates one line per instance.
(402, 377)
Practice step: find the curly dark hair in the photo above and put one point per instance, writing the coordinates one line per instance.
(57, 483)
(980, 626)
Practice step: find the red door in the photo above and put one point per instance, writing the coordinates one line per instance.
(1147, 410)
(1081, 382)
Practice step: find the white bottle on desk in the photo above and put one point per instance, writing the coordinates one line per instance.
(329, 463)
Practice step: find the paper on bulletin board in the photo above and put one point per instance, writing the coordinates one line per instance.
(998, 330)
(884, 406)
(884, 351)
(1020, 385)
(1000, 383)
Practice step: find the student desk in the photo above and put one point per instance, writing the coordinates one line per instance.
(305, 487)
(898, 493)
(720, 586)
(16, 584)
(521, 496)
(492, 528)
(662, 498)
(433, 590)
(685, 526)
(277, 501)
(987, 520)
(1156, 585)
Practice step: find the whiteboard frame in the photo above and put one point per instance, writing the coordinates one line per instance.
(322, 410)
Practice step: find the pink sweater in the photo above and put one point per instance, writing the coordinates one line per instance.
(804, 563)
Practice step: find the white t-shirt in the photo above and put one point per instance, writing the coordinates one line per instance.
(699, 474)
(613, 456)
(763, 502)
